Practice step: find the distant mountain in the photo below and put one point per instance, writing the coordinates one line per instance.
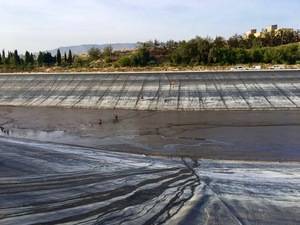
(79, 49)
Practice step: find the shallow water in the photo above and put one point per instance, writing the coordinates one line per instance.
(239, 135)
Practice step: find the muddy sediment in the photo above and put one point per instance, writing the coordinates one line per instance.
(238, 135)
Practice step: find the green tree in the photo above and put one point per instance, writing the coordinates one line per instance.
(94, 53)
(65, 58)
(40, 59)
(183, 53)
(16, 58)
(31, 59)
(220, 42)
(171, 45)
(80, 61)
(70, 57)
(107, 54)
(125, 61)
(48, 59)
(203, 48)
(9, 59)
(241, 55)
(236, 41)
(289, 53)
(58, 57)
(298, 54)
(3, 57)
(257, 55)
(141, 57)
(268, 39)
(27, 58)
(268, 55)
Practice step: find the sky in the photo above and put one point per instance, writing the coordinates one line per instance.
(47, 24)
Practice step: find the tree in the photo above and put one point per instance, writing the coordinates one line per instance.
(65, 58)
(80, 61)
(220, 42)
(298, 54)
(16, 58)
(184, 53)
(70, 57)
(289, 53)
(212, 55)
(31, 59)
(9, 59)
(94, 53)
(257, 55)
(107, 54)
(40, 59)
(125, 61)
(171, 45)
(27, 58)
(203, 47)
(3, 56)
(236, 41)
(107, 51)
(141, 57)
(267, 39)
(48, 59)
(268, 55)
(58, 57)
(241, 55)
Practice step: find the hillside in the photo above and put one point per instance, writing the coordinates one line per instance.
(79, 49)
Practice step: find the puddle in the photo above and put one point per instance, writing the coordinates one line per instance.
(33, 134)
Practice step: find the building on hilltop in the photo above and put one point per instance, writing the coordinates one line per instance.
(256, 34)
(252, 31)
(269, 29)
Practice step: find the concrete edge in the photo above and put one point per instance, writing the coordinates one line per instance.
(151, 72)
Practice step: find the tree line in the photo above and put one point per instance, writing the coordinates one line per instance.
(13, 58)
(282, 46)
(29, 60)
(277, 47)
(204, 52)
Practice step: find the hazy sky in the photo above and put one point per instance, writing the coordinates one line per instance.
(46, 24)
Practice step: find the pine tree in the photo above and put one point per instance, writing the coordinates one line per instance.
(70, 58)
(3, 57)
(16, 58)
(27, 58)
(9, 58)
(40, 59)
(48, 59)
(65, 58)
(31, 59)
(58, 58)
